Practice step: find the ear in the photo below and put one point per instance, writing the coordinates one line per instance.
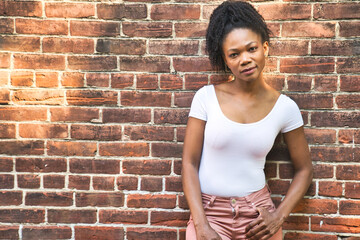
(266, 48)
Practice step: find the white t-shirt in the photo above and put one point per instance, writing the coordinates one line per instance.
(233, 155)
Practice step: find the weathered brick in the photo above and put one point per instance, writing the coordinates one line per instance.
(183, 99)
(4, 60)
(166, 150)
(48, 199)
(147, 99)
(73, 114)
(21, 78)
(54, 181)
(173, 184)
(96, 132)
(22, 147)
(38, 97)
(7, 130)
(187, 64)
(175, 12)
(169, 218)
(94, 28)
(308, 236)
(123, 217)
(177, 167)
(68, 45)
(46, 232)
(145, 64)
(71, 148)
(47, 79)
(126, 115)
(22, 215)
(9, 232)
(92, 63)
(28, 181)
(348, 172)
(285, 11)
(308, 29)
(299, 83)
(69, 10)
(20, 44)
(127, 183)
(316, 206)
(124, 149)
(333, 154)
(120, 11)
(79, 182)
(122, 80)
(98, 233)
(103, 183)
(349, 29)
(296, 223)
(147, 81)
(190, 29)
(289, 47)
(40, 165)
(151, 184)
(43, 130)
(6, 164)
(41, 26)
(171, 81)
(325, 83)
(335, 119)
(121, 46)
(72, 79)
(98, 79)
(307, 65)
(352, 190)
(335, 48)
(150, 233)
(348, 101)
(320, 136)
(39, 61)
(8, 198)
(22, 8)
(147, 29)
(195, 81)
(279, 186)
(349, 136)
(182, 202)
(330, 189)
(150, 133)
(323, 171)
(151, 201)
(350, 83)
(6, 25)
(71, 216)
(91, 97)
(101, 199)
(349, 207)
(173, 116)
(348, 65)
(336, 11)
(174, 47)
(94, 166)
(335, 224)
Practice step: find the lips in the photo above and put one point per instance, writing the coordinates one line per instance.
(248, 70)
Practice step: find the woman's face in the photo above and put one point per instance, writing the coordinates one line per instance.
(244, 54)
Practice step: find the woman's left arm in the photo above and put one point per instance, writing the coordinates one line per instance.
(267, 224)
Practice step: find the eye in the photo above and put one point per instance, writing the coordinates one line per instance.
(252, 49)
(233, 55)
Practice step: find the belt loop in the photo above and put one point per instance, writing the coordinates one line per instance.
(212, 200)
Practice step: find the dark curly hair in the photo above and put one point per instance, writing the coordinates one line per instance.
(226, 17)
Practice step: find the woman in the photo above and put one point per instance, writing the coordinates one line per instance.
(231, 128)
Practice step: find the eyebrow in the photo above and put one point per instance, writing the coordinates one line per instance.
(234, 49)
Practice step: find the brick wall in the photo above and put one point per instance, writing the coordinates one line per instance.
(94, 101)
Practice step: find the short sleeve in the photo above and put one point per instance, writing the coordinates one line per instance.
(293, 118)
(198, 105)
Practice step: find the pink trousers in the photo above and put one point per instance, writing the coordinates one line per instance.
(229, 216)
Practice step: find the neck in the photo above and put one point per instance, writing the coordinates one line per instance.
(250, 88)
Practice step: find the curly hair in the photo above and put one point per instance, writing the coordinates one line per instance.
(226, 17)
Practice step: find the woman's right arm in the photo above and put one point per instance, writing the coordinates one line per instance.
(193, 144)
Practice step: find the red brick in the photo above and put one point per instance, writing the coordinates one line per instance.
(336, 11)
(8, 198)
(177, 167)
(94, 166)
(352, 190)
(316, 206)
(79, 182)
(173, 184)
(296, 223)
(171, 81)
(98, 79)
(103, 183)
(122, 80)
(40, 26)
(350, 83)
(335, 224)
(43, 130)
(120, 46)
(98, 233)
(330, 189)
(148, 99)
(92, 63)
(126, 115)
(96, 132)
(349, 29)
(47, 79)
(286, 171)
(48, 199)
(127, 183)
(308, 29)
(94, 28)
(173, 116)
(147, 29)
(299, 83)
(172, 218)
(124, 149)
(39, 96)
(323, 171)
(183, 99)
(278, 186)
(22, 215)
(40, 165)
(145, 64)
(22, 147)
(188, 64)
(101, 199)
(73, 114)
(9, 232)
(20, 44)
(6, 25)
(151, 201)
(91, 98)
(54, 181)
(348, 101)
(120, 11)
(175, 12)
(71, 216)
(4, 96)
(6, 165)
(348, 65)
(195, 81)
(307, 65)
(69, 10)
(48, 232)
(320, 136)
(285, 11)
(4, 60)
(22, 8)
(150, 133)
(7, 130)
(335, 119)
(332, 154)
(348, 172)
(4, 78)
(166, 150)
(348, 207)
(289, 47)
(123, 217)
(270, 170)
(150, 233)
(151, 184)
(72, 79)
(335, 48)
(308, 236)
(147, 81)
(325, 83)
(190, 29)
(71, 148)
(28, 181)
(182, 202)
(39, 61)
(68, 45)
(349, 136)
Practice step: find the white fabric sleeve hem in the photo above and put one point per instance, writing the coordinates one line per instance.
(293, 127)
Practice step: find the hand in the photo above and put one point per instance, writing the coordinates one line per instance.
(207, 233)
(264, 226)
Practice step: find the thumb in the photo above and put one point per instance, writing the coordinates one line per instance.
(260, 210)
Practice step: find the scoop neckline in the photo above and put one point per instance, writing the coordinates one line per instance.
(245, 124)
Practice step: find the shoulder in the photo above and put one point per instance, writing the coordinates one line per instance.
(287, 102)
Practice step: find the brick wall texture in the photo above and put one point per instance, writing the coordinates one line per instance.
(94, 97)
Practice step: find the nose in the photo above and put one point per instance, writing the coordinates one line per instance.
(244, 59)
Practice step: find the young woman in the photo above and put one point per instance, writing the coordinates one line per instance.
(231, 128)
